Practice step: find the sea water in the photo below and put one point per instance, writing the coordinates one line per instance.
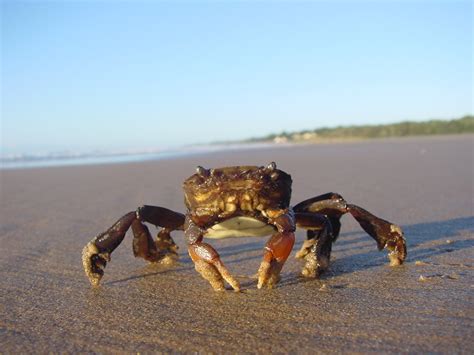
(68, 159)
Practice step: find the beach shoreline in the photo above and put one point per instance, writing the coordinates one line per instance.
(26, 161)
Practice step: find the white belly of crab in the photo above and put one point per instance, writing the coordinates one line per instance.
(239, 227)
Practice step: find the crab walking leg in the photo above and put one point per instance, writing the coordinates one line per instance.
(386, 234)
(162, 249)
(206, 259)
(96, 253)
(331, 204)
(316, 250)
(277, 250)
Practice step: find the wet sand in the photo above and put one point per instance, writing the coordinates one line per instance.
(361, 305)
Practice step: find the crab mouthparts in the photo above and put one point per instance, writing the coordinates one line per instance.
(240, 226)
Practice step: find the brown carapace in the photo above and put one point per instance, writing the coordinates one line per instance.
(241, 201)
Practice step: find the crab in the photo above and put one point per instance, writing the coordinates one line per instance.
(241, 201)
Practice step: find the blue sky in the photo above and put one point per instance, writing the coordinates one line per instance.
(108, 75)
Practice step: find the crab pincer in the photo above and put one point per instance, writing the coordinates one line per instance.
(208, 263)
(278, 247)
(277, 250)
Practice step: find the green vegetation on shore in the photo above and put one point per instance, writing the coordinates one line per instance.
(402, 129)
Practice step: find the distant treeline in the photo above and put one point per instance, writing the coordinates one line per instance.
(402, 129)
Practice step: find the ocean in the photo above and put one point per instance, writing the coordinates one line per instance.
(25, 161)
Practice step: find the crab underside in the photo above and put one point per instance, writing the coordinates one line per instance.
(242, 201)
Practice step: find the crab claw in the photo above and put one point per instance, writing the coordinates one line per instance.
(208, 263)
(277, 250)
(94, 263)
(269, 273)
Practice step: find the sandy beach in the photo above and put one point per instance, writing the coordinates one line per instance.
(360, 305)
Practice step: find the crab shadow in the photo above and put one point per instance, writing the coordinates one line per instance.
(424, 241)
(146, 274)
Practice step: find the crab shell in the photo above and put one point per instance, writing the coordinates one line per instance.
(219, 194)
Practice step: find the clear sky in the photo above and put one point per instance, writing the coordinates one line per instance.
(84, 75)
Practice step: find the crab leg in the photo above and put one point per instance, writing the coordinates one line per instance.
(277, 250)
(316, 250)
(330, 204)
(206, 259)
(96, 253)
(386, 234)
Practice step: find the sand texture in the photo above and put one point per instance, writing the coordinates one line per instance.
(361, 305)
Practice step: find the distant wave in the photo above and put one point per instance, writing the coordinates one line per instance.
(29, 157)
(18, 161)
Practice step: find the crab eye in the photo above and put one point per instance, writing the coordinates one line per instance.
(202, 172)
(272, 166)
